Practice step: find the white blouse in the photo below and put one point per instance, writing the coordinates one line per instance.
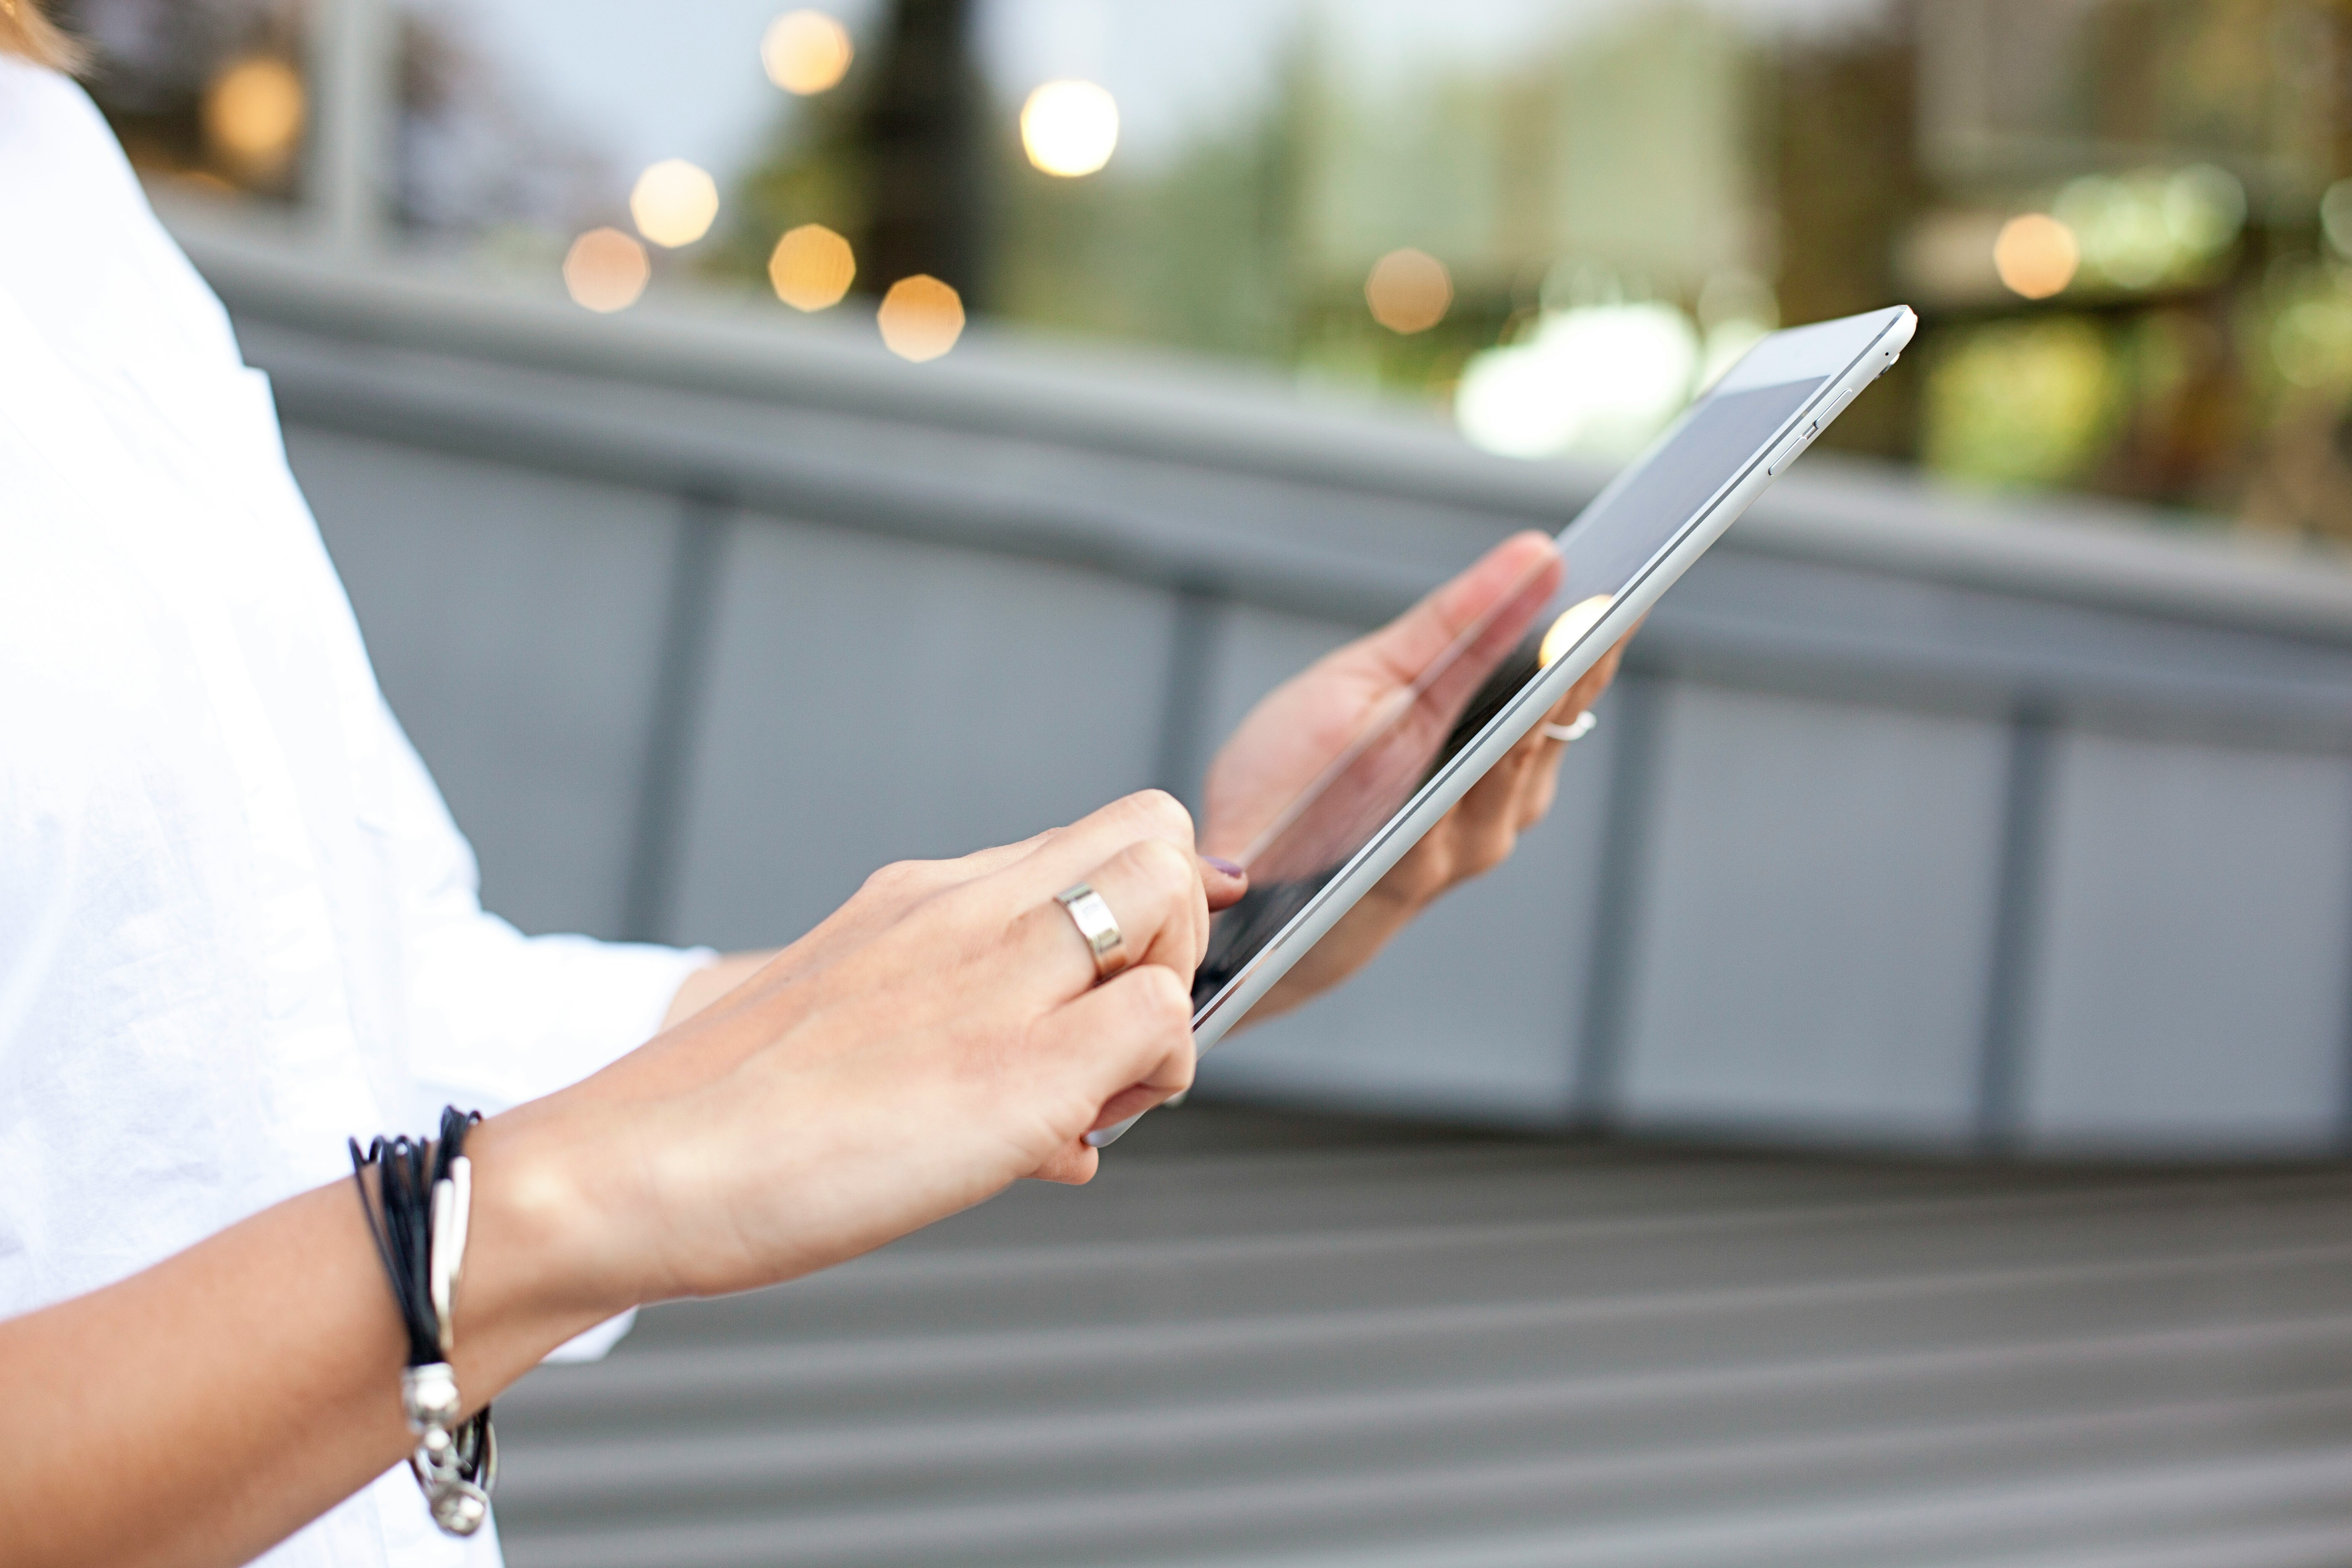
(236, 923)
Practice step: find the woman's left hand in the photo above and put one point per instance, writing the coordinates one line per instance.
(1299, 727)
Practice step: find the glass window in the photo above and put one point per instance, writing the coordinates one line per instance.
(2125, 223)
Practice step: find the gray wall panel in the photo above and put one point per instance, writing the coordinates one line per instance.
(1815, 916)
(1471, 1011)
(870, 700)
(514, 617)
(2193, 966)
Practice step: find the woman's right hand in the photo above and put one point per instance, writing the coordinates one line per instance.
(938, 1038)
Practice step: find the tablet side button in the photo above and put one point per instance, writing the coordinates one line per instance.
(1790, 448)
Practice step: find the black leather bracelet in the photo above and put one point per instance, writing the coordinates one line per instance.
(419, 1217)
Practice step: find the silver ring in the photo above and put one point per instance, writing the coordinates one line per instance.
(1099, 927)
(1577, 730)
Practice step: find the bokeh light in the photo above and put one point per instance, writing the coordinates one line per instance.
(2310, 328)
(2335, 216)
(2030, 403)
(2311, 342)
(1069, 128)
(1408, 291)
(2036, 256)
(675, 202)
(253, 113)
(920, 318)
(812, 267)
(2154, 225)
(806, 52)
(1599, 380)
(605, 271)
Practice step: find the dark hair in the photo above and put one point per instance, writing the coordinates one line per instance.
(26, 33)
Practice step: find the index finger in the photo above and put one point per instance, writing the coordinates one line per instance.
(1066, 855)
(1407, 646)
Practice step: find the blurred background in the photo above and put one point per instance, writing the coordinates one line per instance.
(2122, 221)
(1894, 1112)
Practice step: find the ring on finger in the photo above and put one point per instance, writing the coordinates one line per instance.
(1091, 913)
(1576, 730)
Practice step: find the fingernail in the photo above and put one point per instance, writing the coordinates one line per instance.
(1229, 868)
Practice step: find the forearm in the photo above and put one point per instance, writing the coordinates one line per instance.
(206, 1408)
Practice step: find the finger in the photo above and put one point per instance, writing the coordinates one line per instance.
(1406, 646)
(1073, 1166)
(1133, 1041)
(1067, 855)
(1539, 788)
(1224, 882)
(1156, 895)
(1485, 827)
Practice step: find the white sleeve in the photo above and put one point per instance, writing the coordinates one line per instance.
(496, 1017)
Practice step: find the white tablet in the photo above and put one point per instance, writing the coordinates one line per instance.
(1503, 674)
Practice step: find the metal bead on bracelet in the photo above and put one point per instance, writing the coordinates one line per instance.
(421, 1237)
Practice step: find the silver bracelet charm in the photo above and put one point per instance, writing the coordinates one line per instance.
(455, 1462)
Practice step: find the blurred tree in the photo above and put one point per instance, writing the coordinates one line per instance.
(1842, 159)
(925, 196)
(897, 159)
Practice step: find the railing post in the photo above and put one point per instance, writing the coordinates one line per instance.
(353, 66)
(2016, 933)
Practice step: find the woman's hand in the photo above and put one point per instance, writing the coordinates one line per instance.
(1299, 727)
(938, 1037)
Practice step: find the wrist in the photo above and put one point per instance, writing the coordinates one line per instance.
(541, 1266)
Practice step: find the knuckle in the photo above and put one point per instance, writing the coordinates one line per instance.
(1163, 811)
(893, 884)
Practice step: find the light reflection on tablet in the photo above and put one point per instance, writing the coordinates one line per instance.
(1573, 622)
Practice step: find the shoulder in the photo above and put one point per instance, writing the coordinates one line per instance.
(87, 257)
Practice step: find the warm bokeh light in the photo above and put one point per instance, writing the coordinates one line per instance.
(2036, 256)
(920, 318)
(253, 112)
(812, 267)
(605, 271)
(675, 202)
(805, 51)
(1408, 291)
(1069, 128)
(1574, 622)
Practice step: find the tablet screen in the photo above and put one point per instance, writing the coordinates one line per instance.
(1467, 685)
